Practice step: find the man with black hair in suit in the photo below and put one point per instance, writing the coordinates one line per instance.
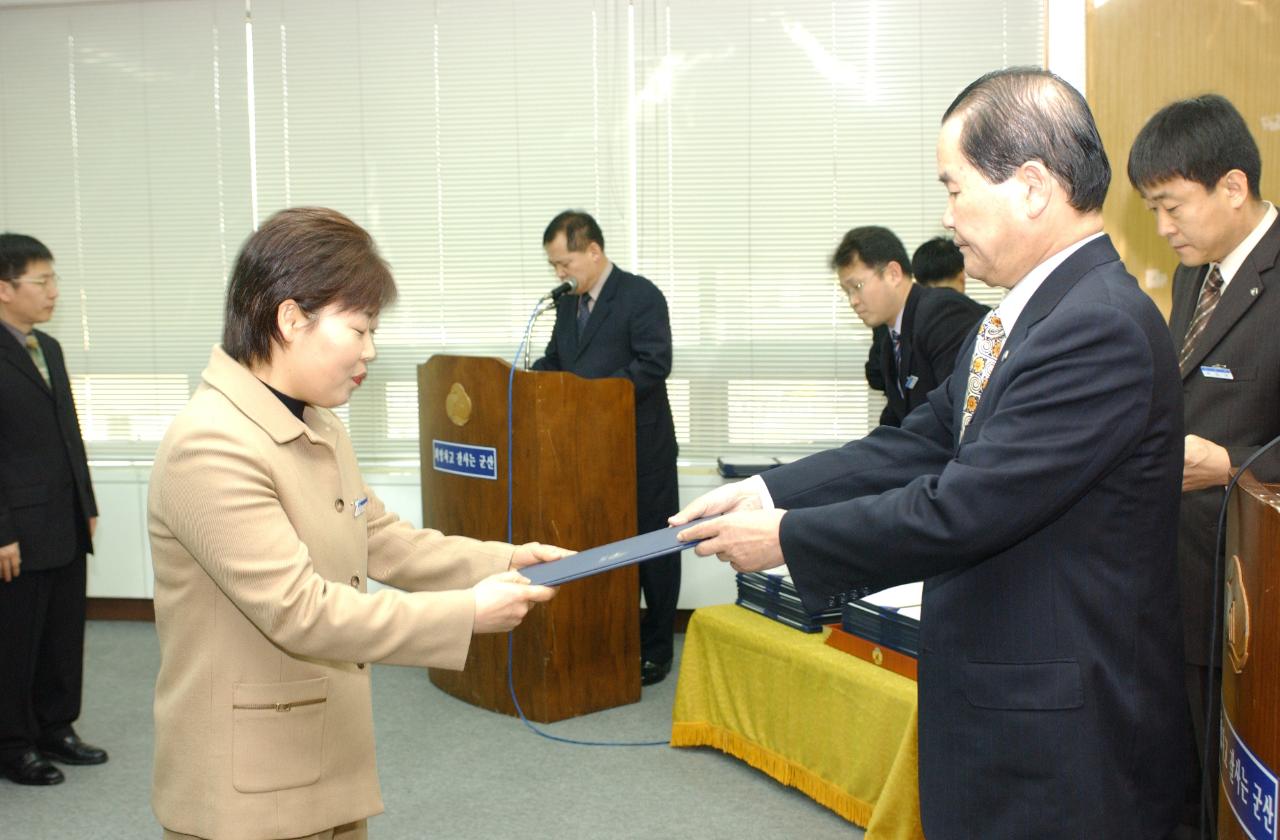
(1036, 494)
(47, 519)
(1198, 169)
(938, 262)
(615, 324)
(917, 330)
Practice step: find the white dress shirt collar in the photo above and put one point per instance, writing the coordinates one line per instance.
(1016, 300)
(1232, 262)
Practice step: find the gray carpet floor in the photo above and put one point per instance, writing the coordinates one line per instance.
(448, 770)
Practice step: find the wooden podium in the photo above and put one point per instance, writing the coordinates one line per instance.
(1250, 762)
(574, 485)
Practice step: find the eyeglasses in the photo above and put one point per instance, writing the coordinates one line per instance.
(48, 281)
(850, 291)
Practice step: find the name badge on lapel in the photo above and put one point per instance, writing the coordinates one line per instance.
(357, 510)
(1216, 372)
(911, 382)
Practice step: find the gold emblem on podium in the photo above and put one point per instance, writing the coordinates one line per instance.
(1237, 616)
(877, 656)
(457, 405)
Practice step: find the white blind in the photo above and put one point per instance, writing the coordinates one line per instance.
(724, 148)
(123, 147)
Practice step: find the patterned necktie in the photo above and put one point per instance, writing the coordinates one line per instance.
(896, 338)
(985, 354)
(1210, 294)
(584, 312)
(37, 356)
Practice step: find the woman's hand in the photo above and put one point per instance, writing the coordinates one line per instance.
(530, 553)
(503, 600)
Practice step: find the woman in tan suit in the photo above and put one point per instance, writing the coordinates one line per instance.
(263, 537)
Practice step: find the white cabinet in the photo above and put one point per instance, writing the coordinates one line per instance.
(121, 564)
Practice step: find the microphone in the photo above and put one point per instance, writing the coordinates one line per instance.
(564, 288)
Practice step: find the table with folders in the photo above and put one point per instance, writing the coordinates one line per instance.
(839, 729)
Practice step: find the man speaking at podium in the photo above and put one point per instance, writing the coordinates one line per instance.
(1035, 493)
(615, 324)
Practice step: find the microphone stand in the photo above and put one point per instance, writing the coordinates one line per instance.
(544, 303)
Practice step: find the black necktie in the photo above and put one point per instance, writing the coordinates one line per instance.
(896, 338)
(584, 312)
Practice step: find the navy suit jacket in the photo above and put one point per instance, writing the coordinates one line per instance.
(46, 497)
(1241, 413)
(628, 335)
(1050, 676)
(936, 322)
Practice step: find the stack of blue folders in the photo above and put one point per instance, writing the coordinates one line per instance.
(884, 621)
(775, 596)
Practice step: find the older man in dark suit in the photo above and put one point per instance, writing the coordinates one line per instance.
(616, 325)
(1036, 493)
(1198, 169)
(47, 518)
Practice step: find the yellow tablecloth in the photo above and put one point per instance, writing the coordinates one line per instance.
(841, 730)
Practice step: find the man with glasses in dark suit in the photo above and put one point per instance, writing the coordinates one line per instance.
(47, 519)
(615, 324)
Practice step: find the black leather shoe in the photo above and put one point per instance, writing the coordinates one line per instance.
(31, 768)
(69, 749)
(652, 673)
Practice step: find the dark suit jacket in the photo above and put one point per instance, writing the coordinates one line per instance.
(628, 335)
(1240, 414)
(935, 323)
(46, 497)
(1051, 692)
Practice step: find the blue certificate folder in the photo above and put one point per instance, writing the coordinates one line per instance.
(593, 561)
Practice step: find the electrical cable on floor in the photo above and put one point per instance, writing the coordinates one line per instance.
(511, 686)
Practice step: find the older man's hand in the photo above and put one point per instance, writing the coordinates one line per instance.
(741, 495)
(747, 540)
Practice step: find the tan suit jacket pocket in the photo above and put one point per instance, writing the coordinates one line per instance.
(278, 734)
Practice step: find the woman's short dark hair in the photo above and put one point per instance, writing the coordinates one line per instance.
(1198, 139)
(1019, 114)
(876, 246)
(312, 255)
(17, 251)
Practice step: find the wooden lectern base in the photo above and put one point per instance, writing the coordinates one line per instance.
(573, 485)
(557, 675)
(1248, 791)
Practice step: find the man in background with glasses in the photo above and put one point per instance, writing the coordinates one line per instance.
(916, 330)
(47, 519)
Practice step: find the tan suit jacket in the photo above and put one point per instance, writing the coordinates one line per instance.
(263, 536)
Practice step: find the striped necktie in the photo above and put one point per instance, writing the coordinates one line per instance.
(1210, 294)
(37, 356)
(985, 355)
(584, 312)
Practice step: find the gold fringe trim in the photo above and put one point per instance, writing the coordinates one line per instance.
(767, 761)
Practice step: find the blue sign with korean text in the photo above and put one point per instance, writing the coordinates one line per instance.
(465, 459)
(1250, 786)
